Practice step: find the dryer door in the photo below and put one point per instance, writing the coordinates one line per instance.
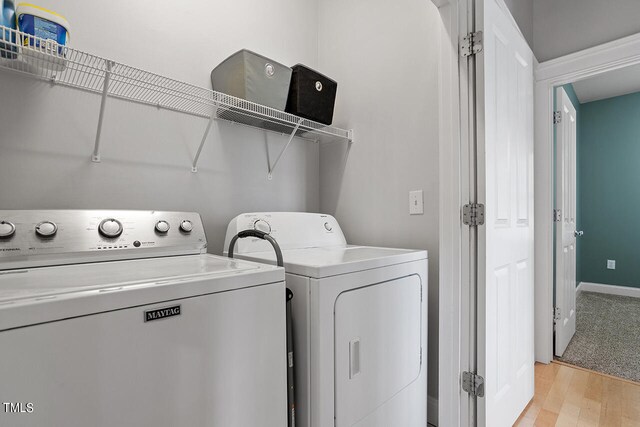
(377, 351)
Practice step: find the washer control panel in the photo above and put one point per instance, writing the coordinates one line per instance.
(55, 237)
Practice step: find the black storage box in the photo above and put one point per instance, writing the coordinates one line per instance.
(311, 95)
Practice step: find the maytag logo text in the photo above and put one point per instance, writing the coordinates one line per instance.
(161, 313)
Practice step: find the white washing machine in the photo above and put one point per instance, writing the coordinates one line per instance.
(359, 317)
(120, 318)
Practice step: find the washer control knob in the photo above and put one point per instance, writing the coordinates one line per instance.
(162, 226)
(7, 229)
(110, 227)
(46, 229)
(328, 226)
(262, 225)
(186, 226)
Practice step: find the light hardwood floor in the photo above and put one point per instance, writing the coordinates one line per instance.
(569, 396)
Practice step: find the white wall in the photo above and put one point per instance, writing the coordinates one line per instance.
(47, 134)
(384, 56)
(522, 11)
(563, 27)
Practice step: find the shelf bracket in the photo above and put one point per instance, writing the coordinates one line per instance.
(103, 102)
(293, 135)
(350, 138)
(194, 166)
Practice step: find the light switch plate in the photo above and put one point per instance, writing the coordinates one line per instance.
(416, 202)
(611, 264)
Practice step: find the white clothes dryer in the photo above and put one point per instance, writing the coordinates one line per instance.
(359, 320)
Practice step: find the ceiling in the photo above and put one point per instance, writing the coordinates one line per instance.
(614, 83)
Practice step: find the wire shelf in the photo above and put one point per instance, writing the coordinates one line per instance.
(46, 60)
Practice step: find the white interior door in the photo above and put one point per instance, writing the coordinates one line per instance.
(504, 87)
(566, 226)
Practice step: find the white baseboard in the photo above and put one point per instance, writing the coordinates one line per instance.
(432, 410)
(608, 289)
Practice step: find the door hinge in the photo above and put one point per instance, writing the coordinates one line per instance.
(557, 215)
(557, 117)
(473, 214)
(473, 384)
(471, 44)
(556, 314)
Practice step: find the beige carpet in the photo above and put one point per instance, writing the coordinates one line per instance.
(607, 335)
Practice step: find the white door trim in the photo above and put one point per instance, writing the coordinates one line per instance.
(454, 292)
(567, 69)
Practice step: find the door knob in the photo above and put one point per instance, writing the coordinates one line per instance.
(578, 233)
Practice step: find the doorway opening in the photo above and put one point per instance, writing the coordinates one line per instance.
(597, 194)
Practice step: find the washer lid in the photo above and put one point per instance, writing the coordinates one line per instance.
(76, 290)
(331, 261)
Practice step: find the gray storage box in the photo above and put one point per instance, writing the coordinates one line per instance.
(253, 77)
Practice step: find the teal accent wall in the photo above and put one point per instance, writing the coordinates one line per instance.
(609, 190)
